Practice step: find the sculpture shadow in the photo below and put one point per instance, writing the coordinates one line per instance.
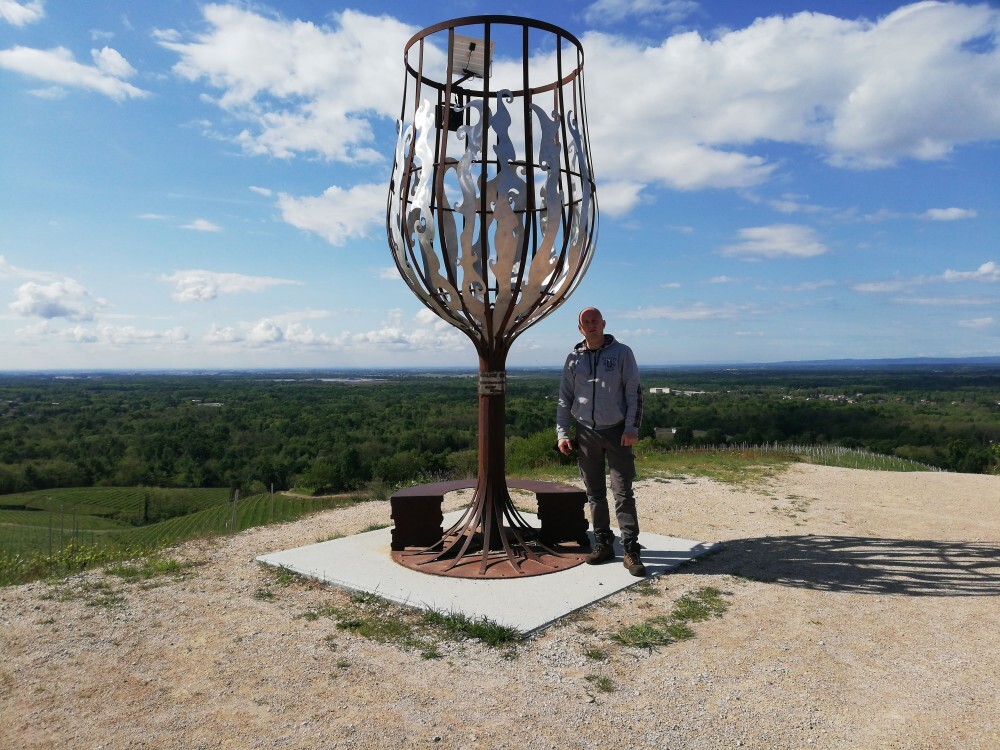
(864, 565)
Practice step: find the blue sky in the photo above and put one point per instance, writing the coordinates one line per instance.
(192, 185)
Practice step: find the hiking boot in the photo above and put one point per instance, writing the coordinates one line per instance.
(602, 552)
(633, 562)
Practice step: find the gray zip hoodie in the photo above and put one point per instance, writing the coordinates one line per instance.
(600, 388)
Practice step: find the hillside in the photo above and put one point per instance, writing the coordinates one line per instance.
(861, 612)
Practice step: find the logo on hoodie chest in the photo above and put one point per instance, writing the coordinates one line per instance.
(610, 363)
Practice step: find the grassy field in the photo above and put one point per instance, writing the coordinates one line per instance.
(59, 532)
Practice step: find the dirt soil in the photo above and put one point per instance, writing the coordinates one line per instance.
(864, 612)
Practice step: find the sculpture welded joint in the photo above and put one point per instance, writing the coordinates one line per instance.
(492, 222)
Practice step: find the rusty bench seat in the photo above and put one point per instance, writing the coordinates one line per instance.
(418, 519)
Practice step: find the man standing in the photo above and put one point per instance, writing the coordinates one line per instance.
(600, 390)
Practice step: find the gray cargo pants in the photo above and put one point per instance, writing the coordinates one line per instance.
(596, 446)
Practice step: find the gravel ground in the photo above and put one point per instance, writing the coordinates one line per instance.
(862, 613)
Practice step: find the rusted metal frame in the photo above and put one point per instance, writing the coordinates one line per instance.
(484, 197)
(546, 293)
(404, 196)
(567, 215)
(576, 79)
(585, 131)
(527, 236)
(404, 178)
(440, 166)
(486, 21)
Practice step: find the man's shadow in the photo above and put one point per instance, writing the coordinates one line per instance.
(913, 567)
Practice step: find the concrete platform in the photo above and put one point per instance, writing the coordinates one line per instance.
(362, 563)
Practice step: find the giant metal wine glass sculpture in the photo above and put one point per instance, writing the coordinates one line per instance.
(492, 221)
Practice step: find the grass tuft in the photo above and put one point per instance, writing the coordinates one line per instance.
(601, 684)
(662, 630)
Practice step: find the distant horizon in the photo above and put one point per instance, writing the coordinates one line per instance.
(807, 363)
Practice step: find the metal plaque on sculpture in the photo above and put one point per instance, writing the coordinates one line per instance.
(492, 383)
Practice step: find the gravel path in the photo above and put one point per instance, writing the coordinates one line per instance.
(863, 612)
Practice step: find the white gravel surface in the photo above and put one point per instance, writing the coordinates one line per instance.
(864, 612)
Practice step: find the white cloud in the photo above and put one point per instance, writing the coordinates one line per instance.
(949, 301)
(21, 14)
(389, 273)
(686, 112)
(299, 86)
(66, 298)
(671, 285)
(222, 335)
(723, 280)
(111, 62)
(266, 192)
(7, 271)
(698, 311)
(605, 12)
(976, 323)
(202, 225)
(808, 286)
(58, 66)
(118, 337)
(80, 335)
(949, 214)
(196, 285)
(51, 93)
(618, 197)
(265, 331)
(880, 287)
(776, 241)
(425, 332)
(988, 272)
(303, 335)
(272, 331)
(337, 215)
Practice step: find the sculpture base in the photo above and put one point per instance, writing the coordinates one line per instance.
(419, 542)
(497, 563)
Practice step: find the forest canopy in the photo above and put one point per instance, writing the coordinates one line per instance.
(335, 431)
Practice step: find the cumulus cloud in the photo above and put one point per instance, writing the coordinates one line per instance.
(66, 298)
(424, 332)
(338, 215)
(300, 87)
(196, 285)
(687, 111)
(270, 331)
(222, 335)
(776, 241)
(111, 62)
(58, 66)
(949, 214)
(21, 14)
(988, 272)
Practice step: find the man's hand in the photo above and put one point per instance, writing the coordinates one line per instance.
(565, 446)
(628, 440)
